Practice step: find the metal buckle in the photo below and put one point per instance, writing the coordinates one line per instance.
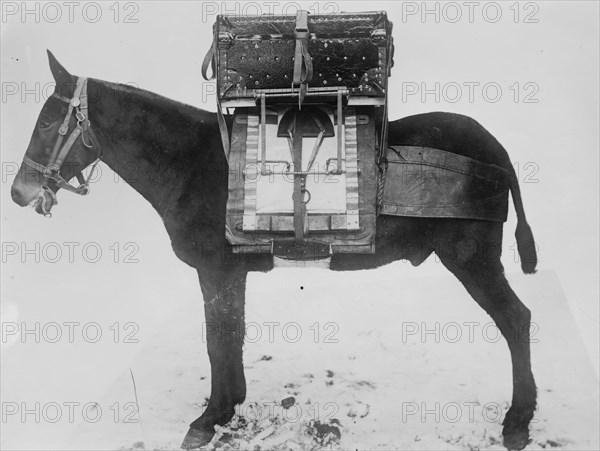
(379, 33)
(224, 40)
(51, 171)
(335, 170)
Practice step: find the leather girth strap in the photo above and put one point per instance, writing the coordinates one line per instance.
(303, 68)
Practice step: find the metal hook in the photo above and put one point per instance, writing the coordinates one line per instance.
(89, 146)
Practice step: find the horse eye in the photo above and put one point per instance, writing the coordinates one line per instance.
(44, 125)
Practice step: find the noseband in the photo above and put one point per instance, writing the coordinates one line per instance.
(60, 152)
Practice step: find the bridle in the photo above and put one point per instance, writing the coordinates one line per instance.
(51, 171)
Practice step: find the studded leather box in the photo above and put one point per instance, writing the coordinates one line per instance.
(280, 56)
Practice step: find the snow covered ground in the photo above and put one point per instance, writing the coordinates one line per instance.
(372, 362)
(382, 380)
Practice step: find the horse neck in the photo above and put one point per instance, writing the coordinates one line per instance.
(158, 146)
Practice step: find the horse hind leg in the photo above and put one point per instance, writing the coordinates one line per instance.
(490, 289)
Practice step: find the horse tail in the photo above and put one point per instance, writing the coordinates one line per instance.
(525, 242)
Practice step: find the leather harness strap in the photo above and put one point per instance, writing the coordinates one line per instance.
(303, 68)
(263, 134)
(64, 128)
(340, 131)
(300, 212)
(211, 60)
(381, 159)
(223, 130)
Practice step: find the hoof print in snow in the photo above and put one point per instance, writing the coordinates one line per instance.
(363, 384)
(330, 373)
(266, 358)
(309, 376)
(358, 409)
(326, 433)
(329, 383)
(286, 403)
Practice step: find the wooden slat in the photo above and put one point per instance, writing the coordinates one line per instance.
(252, 138)
(351, 149)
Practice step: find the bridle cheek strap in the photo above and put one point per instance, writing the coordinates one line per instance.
(60, 152)
(64, 128)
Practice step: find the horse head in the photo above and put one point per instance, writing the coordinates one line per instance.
(61, 147)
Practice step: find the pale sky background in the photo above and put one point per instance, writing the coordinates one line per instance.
(553, 142)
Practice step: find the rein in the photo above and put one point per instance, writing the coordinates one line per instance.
(51, 171)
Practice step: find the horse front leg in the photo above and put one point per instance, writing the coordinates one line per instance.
(224, 293)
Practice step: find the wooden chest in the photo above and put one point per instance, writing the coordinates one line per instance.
(254, 55)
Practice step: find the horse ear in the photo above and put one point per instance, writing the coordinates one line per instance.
(65, 82)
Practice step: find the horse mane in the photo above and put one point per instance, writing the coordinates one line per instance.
(153, 141)
(128, 91)
(166, 127)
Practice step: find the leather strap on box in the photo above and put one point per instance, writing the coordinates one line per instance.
(303, 68)
(211, 60)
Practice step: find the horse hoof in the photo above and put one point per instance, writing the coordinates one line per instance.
(196, 439)
(516, 440)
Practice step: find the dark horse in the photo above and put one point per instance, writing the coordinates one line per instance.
(180, 168)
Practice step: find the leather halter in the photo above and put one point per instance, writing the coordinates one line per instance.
(51, 171)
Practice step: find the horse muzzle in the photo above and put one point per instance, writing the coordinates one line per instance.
(42, 202)
(38, 194)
